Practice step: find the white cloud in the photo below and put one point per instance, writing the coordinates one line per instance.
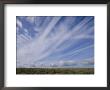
(30, 19)
(67, 63)
(65, 36)
(19, 23)
(41, 47)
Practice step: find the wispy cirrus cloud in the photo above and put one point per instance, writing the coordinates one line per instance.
(58, 39)
(19, 23)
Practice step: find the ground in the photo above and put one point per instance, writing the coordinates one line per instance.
(54, 70)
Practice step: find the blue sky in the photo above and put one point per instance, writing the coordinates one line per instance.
(55, 41)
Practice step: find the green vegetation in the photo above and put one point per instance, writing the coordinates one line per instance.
(54, 70)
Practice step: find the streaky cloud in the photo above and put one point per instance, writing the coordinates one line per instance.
(57, 41)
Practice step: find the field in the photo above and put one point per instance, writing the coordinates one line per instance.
(54, 70)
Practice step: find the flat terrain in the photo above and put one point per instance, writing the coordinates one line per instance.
(54, 70)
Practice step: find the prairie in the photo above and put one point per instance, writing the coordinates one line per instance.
(54, 70)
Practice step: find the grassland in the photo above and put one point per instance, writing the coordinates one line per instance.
(54, 70)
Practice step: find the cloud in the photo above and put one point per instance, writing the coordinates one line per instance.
(19, 23)
(65, 35)
(67, 63)
(30, 19)
(54, 42)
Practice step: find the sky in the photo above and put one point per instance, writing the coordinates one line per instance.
(55, 41)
